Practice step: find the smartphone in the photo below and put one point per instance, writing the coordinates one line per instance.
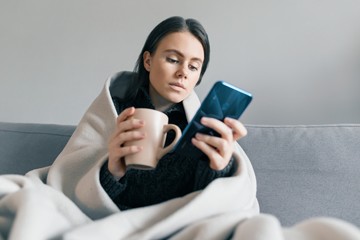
(223, 100)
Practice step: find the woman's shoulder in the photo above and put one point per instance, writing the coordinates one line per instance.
(120, 83)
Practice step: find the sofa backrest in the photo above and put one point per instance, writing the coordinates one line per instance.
(306, 171)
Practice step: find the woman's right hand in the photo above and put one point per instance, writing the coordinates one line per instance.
(126, 130)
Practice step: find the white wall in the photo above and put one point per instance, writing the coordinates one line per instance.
(300, 59)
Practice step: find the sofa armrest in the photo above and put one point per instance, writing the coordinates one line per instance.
(28, 146)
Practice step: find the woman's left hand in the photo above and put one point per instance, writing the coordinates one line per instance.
(219, 149)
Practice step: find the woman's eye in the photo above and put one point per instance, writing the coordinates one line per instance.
(193, 68)
(171, 60)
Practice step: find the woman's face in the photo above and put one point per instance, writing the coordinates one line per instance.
(175, 67)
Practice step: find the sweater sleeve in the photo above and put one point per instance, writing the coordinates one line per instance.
(204, 175)
(111, 186)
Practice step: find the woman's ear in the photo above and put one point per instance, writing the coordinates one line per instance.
(147, 60)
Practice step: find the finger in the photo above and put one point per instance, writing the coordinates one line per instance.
(220, 127)
(123, 137)
(127, 123)
(216, 162)
(223, 147)
(124, 151)
(238, 129)
(116, 164)
(128, 126)
(220, 145)
(128, 112)
(207, 149)
(124, 115)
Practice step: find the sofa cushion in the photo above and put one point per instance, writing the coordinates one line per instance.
(306, 171)
(28, 146)
(302, 171)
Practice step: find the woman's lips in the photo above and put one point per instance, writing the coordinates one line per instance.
(177, 85)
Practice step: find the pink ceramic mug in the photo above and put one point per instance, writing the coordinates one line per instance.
(155, 129)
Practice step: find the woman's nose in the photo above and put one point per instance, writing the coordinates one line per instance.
(182, 73)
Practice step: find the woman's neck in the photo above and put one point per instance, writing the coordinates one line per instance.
(160, 103)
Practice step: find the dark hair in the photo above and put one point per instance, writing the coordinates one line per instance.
(167, 26)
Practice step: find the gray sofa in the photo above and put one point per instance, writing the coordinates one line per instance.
(302, 171)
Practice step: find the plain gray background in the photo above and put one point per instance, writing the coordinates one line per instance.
(300, 59)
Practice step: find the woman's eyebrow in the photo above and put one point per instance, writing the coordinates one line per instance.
(182, 55)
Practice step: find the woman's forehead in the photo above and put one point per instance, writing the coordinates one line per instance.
(182, 43)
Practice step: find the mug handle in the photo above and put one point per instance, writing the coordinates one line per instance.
(162, 151)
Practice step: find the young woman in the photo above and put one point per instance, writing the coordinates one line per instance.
(87, 188)
(172, 62)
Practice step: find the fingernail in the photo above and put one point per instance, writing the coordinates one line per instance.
(204, 119)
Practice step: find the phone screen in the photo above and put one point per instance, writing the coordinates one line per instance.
(223, 100)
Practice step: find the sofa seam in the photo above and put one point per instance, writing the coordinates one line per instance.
(304, 126)
(38, 133)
